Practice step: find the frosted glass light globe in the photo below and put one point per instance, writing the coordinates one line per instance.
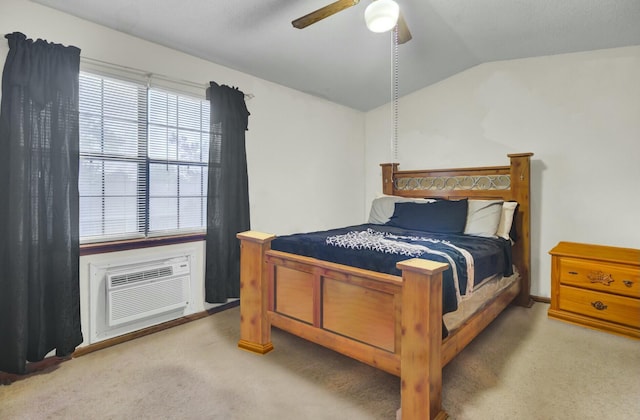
(382, 15)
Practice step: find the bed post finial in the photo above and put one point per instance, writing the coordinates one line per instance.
(388, 169)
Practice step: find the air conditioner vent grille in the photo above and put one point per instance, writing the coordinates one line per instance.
(140, 276)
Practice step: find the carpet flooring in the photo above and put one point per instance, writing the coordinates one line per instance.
(523, 366)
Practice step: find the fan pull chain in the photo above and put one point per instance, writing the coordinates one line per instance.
(394, 88)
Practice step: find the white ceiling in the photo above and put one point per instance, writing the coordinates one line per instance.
(340, 60)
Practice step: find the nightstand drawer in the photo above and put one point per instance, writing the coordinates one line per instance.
(609, 307)
(605, 277)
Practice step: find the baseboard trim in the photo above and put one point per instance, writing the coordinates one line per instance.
(81, 351)
(541, 299)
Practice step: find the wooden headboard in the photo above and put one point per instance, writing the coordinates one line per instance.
(508, 183)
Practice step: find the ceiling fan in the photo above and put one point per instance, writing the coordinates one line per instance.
(403, 31)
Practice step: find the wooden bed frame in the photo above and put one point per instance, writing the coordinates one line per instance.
(381, 319)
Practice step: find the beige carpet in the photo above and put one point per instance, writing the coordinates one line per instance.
(524, 366)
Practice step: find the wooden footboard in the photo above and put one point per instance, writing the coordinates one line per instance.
(389, 322)
(382, 320)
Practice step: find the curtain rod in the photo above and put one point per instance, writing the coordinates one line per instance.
(150, 75)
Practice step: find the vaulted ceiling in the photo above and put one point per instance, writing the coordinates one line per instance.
(339, 59)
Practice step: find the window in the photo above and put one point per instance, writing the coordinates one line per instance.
(143, 160)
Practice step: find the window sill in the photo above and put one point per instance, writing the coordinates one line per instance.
(104, 247)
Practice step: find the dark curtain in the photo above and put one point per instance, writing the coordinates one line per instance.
(39, 248)
(227, 194)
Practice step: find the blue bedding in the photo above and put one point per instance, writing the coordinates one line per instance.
(379, 247)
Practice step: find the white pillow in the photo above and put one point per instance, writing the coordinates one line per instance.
(382, 208)
(506, 219)
(483, 217)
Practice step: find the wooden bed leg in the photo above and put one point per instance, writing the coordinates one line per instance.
(255, 328)
(421, 345)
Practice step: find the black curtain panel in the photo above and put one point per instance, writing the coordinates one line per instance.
(39, 249)
(227, 194)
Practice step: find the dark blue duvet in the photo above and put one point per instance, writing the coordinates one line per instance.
(380, 247)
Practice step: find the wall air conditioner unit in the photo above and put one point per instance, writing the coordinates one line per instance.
(142, 291)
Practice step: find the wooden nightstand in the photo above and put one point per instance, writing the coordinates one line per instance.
(596, 286)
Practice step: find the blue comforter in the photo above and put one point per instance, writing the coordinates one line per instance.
(379, 247)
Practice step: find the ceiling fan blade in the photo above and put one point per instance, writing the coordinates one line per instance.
(323, 12)
(403, 30)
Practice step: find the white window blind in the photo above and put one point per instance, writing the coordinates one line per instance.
(143, 160)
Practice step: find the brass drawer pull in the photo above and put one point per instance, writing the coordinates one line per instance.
(573, 272)
(600, 277)
(599, 305)
(627, 283)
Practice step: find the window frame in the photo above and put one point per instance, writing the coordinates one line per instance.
(143, 237)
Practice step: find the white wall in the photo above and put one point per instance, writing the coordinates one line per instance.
(580, 115)
(304, 153)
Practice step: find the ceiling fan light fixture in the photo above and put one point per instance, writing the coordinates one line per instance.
(382, 15)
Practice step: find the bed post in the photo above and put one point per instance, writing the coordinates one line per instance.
(421, 342)
(388, 169)
(255, 328)
(520, 186)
